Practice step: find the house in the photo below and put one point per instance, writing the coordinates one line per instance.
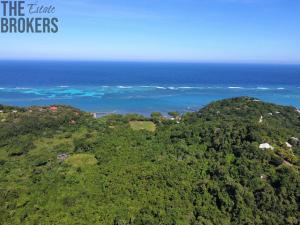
(295, 139)
(72, 122)
(263, 177)
(266, 146)
(288, 145)
(53, 108)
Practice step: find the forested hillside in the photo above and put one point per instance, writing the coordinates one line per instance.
(234, 161)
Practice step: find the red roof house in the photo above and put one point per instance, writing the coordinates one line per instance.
(53, 108)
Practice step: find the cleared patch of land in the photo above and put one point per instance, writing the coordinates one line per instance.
(142, 125)
(79, 160)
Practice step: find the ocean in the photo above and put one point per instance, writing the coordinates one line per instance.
(139, 87)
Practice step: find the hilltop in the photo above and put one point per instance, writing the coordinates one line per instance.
(235, 161)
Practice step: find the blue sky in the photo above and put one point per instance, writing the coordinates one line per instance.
(266, 31)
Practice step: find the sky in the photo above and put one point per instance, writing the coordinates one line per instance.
(260, 31)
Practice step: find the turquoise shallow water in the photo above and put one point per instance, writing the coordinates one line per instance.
(143, 99)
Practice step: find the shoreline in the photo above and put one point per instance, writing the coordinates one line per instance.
(145, 99)
(145, 114)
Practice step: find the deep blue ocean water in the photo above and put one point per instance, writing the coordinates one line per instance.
(123, 87)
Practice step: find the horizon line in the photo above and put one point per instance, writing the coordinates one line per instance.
(246, 62)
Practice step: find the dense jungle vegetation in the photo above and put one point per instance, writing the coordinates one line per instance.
(59, 165)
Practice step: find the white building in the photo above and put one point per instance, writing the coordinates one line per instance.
(288, 145)
(266, 146)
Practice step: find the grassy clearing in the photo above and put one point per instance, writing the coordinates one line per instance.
(142, 125)
(3, 117)
(80, 160)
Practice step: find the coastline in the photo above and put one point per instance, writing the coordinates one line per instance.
(144, 99)
(99, 114)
